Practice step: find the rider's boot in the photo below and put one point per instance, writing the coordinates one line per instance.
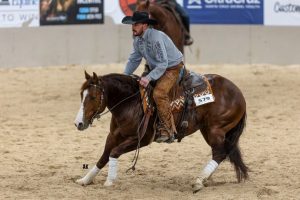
(164, 134)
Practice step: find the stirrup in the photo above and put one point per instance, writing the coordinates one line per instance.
(162, 138)
(171, 139)
(165, 138)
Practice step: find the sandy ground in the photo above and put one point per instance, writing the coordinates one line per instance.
(42, 153)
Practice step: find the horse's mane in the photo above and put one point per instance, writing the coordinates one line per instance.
(121, 81)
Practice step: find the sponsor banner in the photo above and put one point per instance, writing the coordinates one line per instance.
(19, 13)
(61, 12)
(225, 11)
(201, 11)
(282, 12)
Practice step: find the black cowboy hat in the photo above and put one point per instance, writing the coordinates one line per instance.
(139, 17)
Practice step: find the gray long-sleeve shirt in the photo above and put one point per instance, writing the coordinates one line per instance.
(158, 50)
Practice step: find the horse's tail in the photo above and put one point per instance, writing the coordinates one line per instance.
(233, 150)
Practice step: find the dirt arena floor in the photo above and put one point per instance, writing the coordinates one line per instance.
(42, 153)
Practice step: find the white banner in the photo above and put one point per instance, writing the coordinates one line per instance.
(113, 10)
(282, 12)
(117, 9)
(19, 13)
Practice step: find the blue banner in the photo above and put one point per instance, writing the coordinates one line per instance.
(225, 11)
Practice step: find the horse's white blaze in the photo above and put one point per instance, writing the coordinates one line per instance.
(89, 176)
(79, 117)
(112, 171)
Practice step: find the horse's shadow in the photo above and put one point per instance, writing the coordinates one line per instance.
(180, 183)
(210, 182)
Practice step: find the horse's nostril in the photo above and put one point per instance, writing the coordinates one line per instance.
(80, 125)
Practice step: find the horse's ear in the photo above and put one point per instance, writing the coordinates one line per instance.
(147, 3)
(95, 78)
(87, 76)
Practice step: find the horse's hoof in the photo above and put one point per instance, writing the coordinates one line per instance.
(83, 182)
(197, 187)
(108, 183)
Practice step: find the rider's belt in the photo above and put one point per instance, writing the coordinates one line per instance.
(182, 71)
(176, 66)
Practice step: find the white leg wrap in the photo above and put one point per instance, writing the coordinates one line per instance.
(112, 171)
(89, 176)
(209, 169)
(205, 174)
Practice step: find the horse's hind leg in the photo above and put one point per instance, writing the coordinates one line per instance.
(216, 139)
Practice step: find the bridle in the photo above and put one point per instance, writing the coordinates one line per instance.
(98, 113)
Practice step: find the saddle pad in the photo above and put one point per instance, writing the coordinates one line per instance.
(199, 88)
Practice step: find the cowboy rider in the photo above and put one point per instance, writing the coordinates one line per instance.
(165, 62)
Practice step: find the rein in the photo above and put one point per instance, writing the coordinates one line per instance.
(141, 129)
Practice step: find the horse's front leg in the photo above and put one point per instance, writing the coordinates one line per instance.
(111, 142)
(128, 145)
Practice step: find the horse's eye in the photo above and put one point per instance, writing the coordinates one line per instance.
(93, 98)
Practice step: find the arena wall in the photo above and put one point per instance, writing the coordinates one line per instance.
(110, 43)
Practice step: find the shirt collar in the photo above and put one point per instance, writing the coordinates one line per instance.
(146, 33)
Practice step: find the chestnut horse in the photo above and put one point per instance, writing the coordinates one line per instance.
(220, 122)
(166, 21)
